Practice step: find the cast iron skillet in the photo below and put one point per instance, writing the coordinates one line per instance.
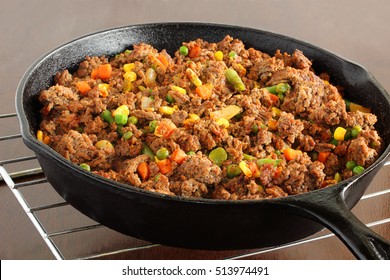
(199, 223)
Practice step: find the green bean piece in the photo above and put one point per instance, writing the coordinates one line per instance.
(358, 169)
(162, 153)
(106, 116)
(85, 167)
(233, 78)
(146, 150)
(218, 156)
(169, 98)
(133, 120)
(121, 119)
(347, 104)
(233, 170)
(190, 153)
(127, 135)
(262, 161)
(282, 88)
(249, 157)
(183, 50)
(350, 164)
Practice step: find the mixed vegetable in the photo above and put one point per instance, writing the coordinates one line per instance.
(161, 98)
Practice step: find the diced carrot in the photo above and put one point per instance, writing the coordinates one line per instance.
(83, 87)
(163, 59)
(274, 98)
(273, 124)
(164, 129)
(154, 59)
(179, 156)
(254, 168)
(95, 74)
(143, 171)
(277, 173)
(104, 71)
(165, 166)
(194, 51)
(291, 154)
(323, 156)
(203, 91)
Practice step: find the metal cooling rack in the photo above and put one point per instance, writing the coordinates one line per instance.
(28, 180)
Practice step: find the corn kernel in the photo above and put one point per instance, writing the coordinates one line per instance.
(131, 76)
(166, 110)
(218, 55)
(192, 118)
(103, 89)
(179, 89)
(121, 110)
(40, 135)
(276, 111)
(240, 70)
(193, 77)
(339, 133)
(223, 122)
(104, 144)
(245, 169)
(127, 86)
(129, 67)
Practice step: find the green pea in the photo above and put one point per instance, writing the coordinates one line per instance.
(190, 153)
(358, 169)
(218, 155)
(232, 54)
(183, 50)
(348, 134)
(355, 131)
(121, 119)
(233, 170)
(85, 166)
(127, 135)
(162, 153)
(334, 142)
(350, 164)
(106, 116)
(152, 126)
(255, 128)
(133, 120)
(119, 130)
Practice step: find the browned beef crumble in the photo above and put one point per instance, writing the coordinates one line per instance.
(171, 114)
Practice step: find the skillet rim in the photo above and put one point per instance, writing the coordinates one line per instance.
(114, 186)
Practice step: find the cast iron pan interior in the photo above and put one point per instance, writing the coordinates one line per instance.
(197, 223)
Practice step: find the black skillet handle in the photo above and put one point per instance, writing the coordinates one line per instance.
(332, 212)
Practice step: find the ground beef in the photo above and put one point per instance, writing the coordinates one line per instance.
(199, 168)
(178, 124)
